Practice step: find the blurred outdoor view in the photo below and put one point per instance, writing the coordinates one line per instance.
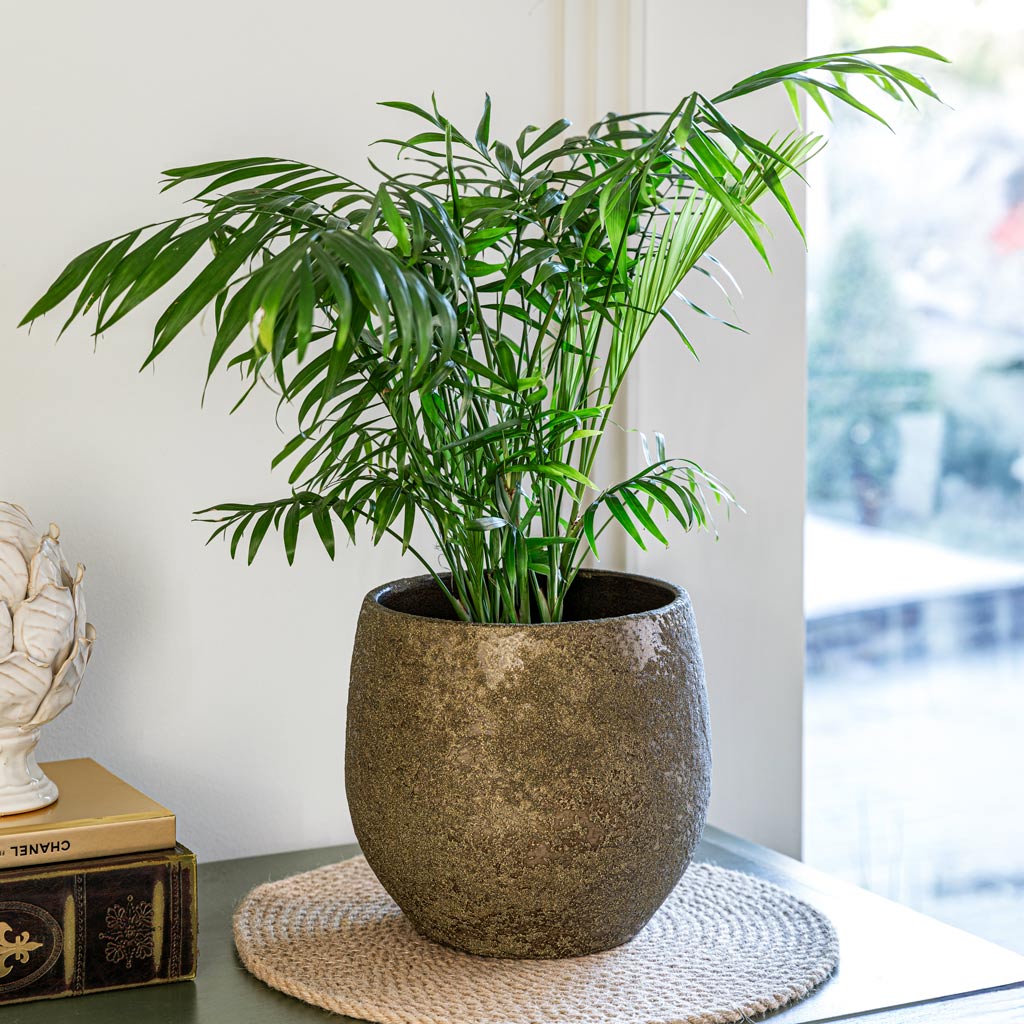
(915, 531)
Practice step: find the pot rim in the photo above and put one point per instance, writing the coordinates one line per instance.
(677, 596)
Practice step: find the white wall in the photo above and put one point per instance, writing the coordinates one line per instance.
(740, 413)
(220, 689)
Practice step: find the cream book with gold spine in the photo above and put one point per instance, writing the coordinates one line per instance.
(96, 815)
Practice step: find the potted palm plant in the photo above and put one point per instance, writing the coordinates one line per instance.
(528, 758)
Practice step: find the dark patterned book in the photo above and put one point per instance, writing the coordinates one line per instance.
(92, 925)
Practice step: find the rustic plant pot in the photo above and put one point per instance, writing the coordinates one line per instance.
(529, 791)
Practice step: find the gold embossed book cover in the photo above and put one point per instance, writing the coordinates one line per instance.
(94, 925)
(96, 815)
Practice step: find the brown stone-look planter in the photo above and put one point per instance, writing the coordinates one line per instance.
(529, 791)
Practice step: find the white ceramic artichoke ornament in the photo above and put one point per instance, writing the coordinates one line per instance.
(45, 644)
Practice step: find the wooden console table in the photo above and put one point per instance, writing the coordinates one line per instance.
(896, 966)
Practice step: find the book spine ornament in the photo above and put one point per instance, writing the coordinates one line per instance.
(102, 839)
(95, 925)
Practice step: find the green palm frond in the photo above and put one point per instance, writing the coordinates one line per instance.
(449, 343)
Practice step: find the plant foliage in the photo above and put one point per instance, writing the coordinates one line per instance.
(452, 340)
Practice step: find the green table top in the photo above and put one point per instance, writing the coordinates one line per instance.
(896, 965)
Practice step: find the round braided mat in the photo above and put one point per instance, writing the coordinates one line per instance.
(724, 947)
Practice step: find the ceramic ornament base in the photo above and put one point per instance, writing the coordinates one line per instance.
(724, 947)
(23, 784)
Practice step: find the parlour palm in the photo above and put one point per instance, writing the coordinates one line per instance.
(450, 342)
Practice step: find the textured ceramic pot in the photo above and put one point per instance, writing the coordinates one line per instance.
(529, 791)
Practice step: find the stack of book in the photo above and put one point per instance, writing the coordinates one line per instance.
(95, 891)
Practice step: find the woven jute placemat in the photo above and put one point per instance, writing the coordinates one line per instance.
(724, 947)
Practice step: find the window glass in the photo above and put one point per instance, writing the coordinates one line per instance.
(915, 530)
